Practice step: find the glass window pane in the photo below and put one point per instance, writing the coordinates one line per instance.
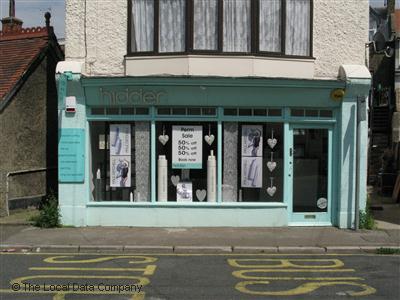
(163, 111)
(112, 111)
(298, 18)
(274, 112)
(179, 111)
(237, 26)
(97, 110)
(194, 111)
(230, 112)
(142, 111)
(142, 25)
(270, 25)
(172, 26)
(311, 113)
(127, 111)
(252, 162)
(205, 27)
(310, 170)
(297, 112)
(171, 175)
(114, 172)
(325, 113)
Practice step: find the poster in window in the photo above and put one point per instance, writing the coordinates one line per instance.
(120, 139)
(252, 140)
(251, 176)
(187, 147)
(184, 192)
(120, 171)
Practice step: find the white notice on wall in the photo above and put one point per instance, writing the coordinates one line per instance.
(187, 147)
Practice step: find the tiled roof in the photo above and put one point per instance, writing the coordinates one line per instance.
(18, 50)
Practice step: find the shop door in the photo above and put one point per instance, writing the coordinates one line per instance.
(310, 171)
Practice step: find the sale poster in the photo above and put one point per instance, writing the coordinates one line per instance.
(187, 147)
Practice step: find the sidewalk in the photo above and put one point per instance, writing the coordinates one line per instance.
(103, 239)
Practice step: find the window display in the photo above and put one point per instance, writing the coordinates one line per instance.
(255, 172)
(115, 149)
(186, 161)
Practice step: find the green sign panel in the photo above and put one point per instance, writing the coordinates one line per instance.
(71, 155)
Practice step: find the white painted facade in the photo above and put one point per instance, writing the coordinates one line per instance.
(96, 34)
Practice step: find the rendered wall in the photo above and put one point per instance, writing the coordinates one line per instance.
(340, 31)
(23, 138)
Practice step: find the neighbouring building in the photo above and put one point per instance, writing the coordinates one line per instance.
(28, 112)
(213, 113)
(384, 120)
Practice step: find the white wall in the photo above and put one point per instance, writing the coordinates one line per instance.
(340, 33)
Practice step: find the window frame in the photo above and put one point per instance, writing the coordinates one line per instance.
(189, 33)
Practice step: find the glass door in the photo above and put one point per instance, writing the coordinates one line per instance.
(310, 170)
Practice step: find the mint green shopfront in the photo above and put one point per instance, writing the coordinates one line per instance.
(211, 152)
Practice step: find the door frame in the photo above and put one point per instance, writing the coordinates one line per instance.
(311, 218)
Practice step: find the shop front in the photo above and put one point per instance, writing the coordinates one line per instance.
(184, 151)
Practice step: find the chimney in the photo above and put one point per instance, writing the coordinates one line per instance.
(11, 23)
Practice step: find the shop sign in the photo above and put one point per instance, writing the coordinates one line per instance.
(187, 147)
(71, 157)
(129, 96)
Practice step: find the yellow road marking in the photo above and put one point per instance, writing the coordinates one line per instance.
(242, 275)
(301, 270)
(285, 263)
(138, 259)
(148, 270)
(302, 289)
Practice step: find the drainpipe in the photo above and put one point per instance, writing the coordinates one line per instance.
(361, 116)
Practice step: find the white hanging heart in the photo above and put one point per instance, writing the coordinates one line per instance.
(272, 143)
(209, 139)
(163, 139)
(271, 191)
(271, 165)
(201, 194)
(175, 180)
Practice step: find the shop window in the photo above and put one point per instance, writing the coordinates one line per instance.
(120, 161)
(274, 112)
(252, 162)
(97, 110)
(297, 112)
(186, 154)
(325, 113)
(112, 111)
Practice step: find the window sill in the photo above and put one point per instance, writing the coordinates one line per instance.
(191, 204)
(220, 65)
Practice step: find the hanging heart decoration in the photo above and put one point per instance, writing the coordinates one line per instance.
(271, 191)
(201, 194)
(272, 142)
(175, 180)
(163, 139)
(209, 139)
(271, 165)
